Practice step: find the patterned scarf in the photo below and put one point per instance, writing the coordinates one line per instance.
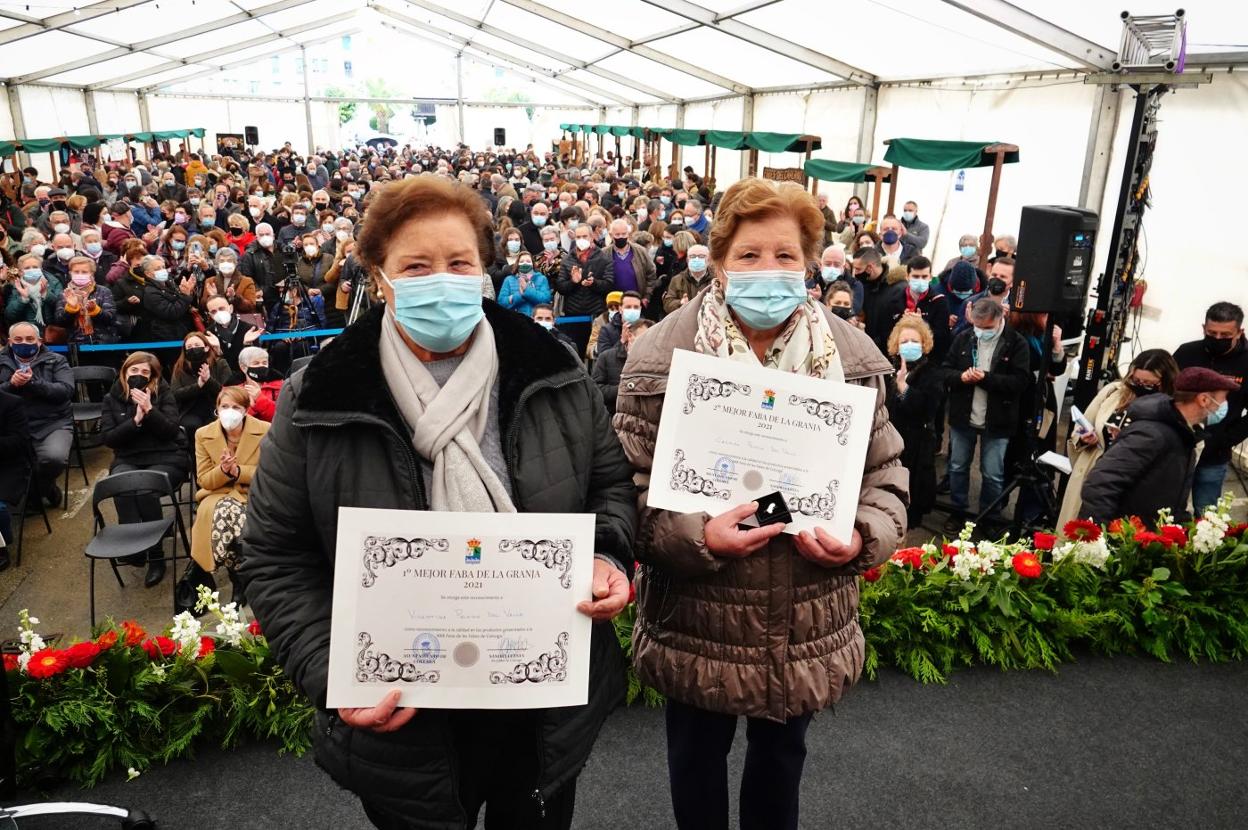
(804, 346)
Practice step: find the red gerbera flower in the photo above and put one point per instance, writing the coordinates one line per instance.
(207, 646)
(160, 647)
(253, 628)
(1147, 537)
(1237, 530)
(951, 551)
(1119, 525)
(1174, 535)
(134, 633)
(46, 663)
(1044, 541)
(107, 640)
(80, 655)
(909, 556)
(871, 574)
(10, 662)
(1082, 530)
(1026, 564)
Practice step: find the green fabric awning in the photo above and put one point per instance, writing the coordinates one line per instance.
(726, 139)
(88, 142)
(636, 132)
(685, 138)
(779, 142)
(929, 154)
(840, 171)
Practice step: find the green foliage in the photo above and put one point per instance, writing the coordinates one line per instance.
(346, 109)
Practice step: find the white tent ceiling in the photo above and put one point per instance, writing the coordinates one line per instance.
(619, 53)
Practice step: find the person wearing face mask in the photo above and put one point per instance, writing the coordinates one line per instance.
(44, 382)
(631, 266)
(917, 230)
(170, 190)
(839, 298)
(925, 300)
(85, 309)
(1223, 350)
(832, 267)
(1151, 464)
(968, 252)
(262, 262)
(140, 425)
(609, 364)
(197, 377)
(747, 641)
(116, 228)
(525, 288)
(226, 333)
(300, 224)
(165, 304)
(34, 295)
(585, 279)
(857, 222)
(262, 383)
(882, 303)
(239, 233)
(987, 370)
(56, 260)
(895, 248)
(227, 452)
(469, 407)
(687, 284)
(913, 406)
(531, 229)
(1152, 372)
(258, 213)
(93, 247)
(611, 332)
(312, 263)
(960, 285)
(172, 249)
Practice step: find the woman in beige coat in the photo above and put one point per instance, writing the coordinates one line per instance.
(226, 454)
(753, 623)
(1152, 371)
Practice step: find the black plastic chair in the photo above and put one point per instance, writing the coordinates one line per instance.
(114, 542)
(22, 509)
(86, 412)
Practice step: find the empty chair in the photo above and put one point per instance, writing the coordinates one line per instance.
(86, 411)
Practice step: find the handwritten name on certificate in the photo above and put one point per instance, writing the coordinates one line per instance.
(732, 432)
(461, 610)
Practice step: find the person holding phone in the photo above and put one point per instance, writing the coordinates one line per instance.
(44, 381)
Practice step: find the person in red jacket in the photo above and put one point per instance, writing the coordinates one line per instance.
(115, 230)
(263, 385)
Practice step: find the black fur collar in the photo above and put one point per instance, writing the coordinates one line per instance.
(346, 377)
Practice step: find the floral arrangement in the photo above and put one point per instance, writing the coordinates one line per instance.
(128, 699)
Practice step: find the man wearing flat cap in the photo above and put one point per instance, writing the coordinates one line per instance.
(1150, 466)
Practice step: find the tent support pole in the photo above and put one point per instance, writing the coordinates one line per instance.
(806, 179)
(875, 197)
(52, 159)
(753, 161)
(892, 191)
(19, 126)
(706, 161)
(866, 134)
(747, 126)
(985, 241)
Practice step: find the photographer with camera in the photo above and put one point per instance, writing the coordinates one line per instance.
(299, 309)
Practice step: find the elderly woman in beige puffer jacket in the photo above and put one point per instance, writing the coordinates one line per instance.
(753, 623)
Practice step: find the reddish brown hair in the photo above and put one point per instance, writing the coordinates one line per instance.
(751, 200)
(399, 202)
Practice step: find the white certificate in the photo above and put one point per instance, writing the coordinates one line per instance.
(731, 433)
(461, 610)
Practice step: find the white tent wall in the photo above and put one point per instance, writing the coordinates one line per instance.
(49, 112)
(724, 114)
(540, 130)
(832, 114)
(276, 121)
(1188, 178)
(118, 112)
(1049, 124)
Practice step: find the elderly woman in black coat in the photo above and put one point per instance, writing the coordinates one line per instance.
(353, 428)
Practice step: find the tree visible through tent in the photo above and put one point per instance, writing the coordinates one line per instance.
(379, 88)
(346, 109)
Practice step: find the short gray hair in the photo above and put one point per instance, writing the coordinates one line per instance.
(150, 259)
(250, 353)
(987, 309)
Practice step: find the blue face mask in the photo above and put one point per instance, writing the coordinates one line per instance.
(513, 246)
(631, 315)
(207, 222)
(919, 287)
(177, 245)
(32, 276)
(539, 221)
(765, 299)
(697, 264)
(24, 351)
(1217, 415)
(908, 215)
(910, 351)
(968, 251)
(666, 200)
(984, 335)
(440, 311)
(667, 243)
(889, 237)
(161, 276)
(962, 295)
(831, 273)
(94, 248)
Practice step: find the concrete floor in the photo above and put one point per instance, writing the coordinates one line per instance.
(53, 579)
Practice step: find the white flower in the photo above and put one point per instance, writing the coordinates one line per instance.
(967, 532)
(34, 620)
(23, 660)
(1094, 554)
(158, 669)
(186, 630)
(132, 773)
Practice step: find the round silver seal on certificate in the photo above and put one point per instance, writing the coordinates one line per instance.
(466, 654)
(426, 648)
(752, 480)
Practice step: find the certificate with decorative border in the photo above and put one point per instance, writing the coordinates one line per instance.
(732, 432)
(461, 610)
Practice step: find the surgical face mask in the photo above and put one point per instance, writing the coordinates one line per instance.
(525, 268)
(310, 250)
(967, 251)
(354, 194)
(539, 219)
(573, 224)
(908, 215)
(177, 244)
(230, 419)
(918, 287)
(765, 299)
(859, 219)
(439, 311)
(962, 295)
(32, 275)
(207, 222)
(642, 216)
(64, 254)
(342, 236)
(38, 250)
(80, 280)
(546, 324)
(61, 227)
(889, 237)
(24, 351)
(1217, 415)
(666, 200)
(194, 200)
(327, 227)
(513, 246)
(265, 241)
(984, 335)
(222, 317)
(551, 244)
(583, 244)
(831, 272)
(630, 315)
(161, 276)
(697, 264)
(910, 351)
(226, 268)
(94, 248)
(297, 219)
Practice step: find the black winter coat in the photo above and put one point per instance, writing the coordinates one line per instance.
(338, 440)
(47, 396)
(14, 449)
(1220, 439)
(607, 368)
(580, 300)
(1149, 467)
(914, 416)
(881, 305)
(166, 310)
(157, 440)
(1008, 378)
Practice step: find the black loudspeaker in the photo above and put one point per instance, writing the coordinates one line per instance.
(1053, 263)
(252, 135)
(500, 136)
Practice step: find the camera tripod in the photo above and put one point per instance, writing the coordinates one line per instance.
(1028, 473)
